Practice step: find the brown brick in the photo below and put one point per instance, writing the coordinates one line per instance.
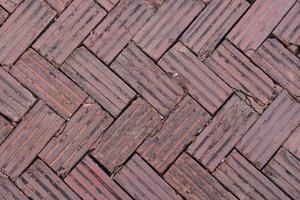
(259, 21)
(244, 180)
(118, 28)
(162, 30)
(59, 5)
(147, 79)
(219, 137)
(48, 83)
(212, 24)
(141, 182)
(22, 28)
(10, 5)
(15, 100)
(249, 82)
(40, 182)
(288, 29)
(8, 190)
(3, 15)
(163, 147)
(193, 182)
(5, 128)
(90, 182)
(126, 134)
(80, 133)
(280, 64)
(70, 29)
(292, 144)
(108, 4)
(36, 129)
(202, 84)
(271, 130)
(98, 80)
(284, 171)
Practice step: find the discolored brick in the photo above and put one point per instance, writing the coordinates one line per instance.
(163, 147)
(48, 83)
(126, 134)
(5, 128)
(8, 190)
(98, 80)
(69, 30)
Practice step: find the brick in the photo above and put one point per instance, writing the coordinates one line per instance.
(22, 28)
(193, 182)
(15, 100)
(8, 190)
(211, 26)
(166, 25)
(126, 134)
(59, 5)
(280, 64)
(79, 134)
(147, 79)
(163, 147)
(69, 30)
(259, 21)
(5, 128)
(288, 29)
(118, 28)
(284, 170)
(108, 4)
(246, 79)
(98, 80)
(141, 182)
(90, 182)
(200, 82)
(270, 131)
(40, 182)
(27, 140)
(48, 83)
(292, 143)
(10, 5)
(3, 15)
(220, 136)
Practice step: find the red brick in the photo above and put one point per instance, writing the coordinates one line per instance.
(126, 134)
(22, 28)
(212, 24)
(220, 136)
(10, 5)
(90, 182)
(193, 182)
(40, 182)
(80, 133)
(249, 82)
(200, 82)
(3, 15)
(27, 140)
(15, 100)
(284, 170)
(162, 30)
(259, 21)
(118, 28)
(147, 79)
(270, 131)
(48, 83)
(59, 5)
(280, 64)
(5, 128)
(163, 147)
(98, 80)
(141, 182)
(108, 4)
(292, 144)
(8, 190)
(70, 29)
(244, 180)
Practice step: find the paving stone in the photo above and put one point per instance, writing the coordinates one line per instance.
(91, 182)
(3, 15)
(69, 30)
(147, 79)
(98, 80)
(126, 134)
(108, 4)
(10, 5)
(118, 28)
(8, 191)
(292, 143)
(58, 5)
(200, 82)
(48, 83)
(22, 28)
(163, 147)
(5, 128)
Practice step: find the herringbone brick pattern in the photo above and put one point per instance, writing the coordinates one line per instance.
(150, 99)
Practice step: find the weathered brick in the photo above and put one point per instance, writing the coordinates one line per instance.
(5, 128)
(59, 5)
(3, 15)
(10, 5)
(292, 143)
(69, 30)
(108, 4)
(48, 83)
(8, 190)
